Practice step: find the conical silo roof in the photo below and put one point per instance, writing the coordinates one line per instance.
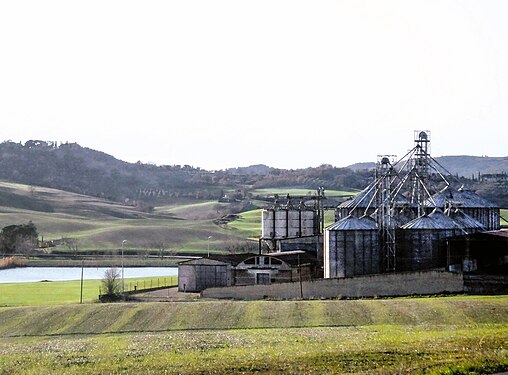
(466, 221)
(361, 199)
(470, 199)
(459, 198)
(436, 220)
(354, 223)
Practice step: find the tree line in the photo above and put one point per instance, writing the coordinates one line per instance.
(71, 167)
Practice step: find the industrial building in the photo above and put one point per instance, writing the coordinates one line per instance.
(402, 220)
(409, 219)
(245, 269)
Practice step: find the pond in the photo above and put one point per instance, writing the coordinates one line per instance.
(34, 274)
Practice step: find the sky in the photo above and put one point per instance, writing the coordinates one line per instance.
(291, 84)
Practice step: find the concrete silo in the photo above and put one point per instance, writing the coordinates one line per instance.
(281, 223)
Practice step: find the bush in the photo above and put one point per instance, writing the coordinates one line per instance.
(12, 262)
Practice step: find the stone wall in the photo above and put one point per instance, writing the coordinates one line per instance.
(396, 284)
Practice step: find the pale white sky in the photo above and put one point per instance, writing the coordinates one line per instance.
(290, 84)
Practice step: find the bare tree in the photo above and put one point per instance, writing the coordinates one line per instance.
(24, 245)
(240, 246)
(160, 245)
(111, 282)
(72, 244)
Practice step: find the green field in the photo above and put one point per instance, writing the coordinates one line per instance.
(504, 217)
(450, 335)
(102, 225)
(68, 292)
(248, 225)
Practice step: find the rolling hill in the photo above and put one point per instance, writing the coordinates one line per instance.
(100, 224)
(463, 165)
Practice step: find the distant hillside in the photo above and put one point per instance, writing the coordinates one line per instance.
(258, 169)
(464, 165)
(78, 169)
(100, 224)
(468, 166)
(82, 170)
(73, 168)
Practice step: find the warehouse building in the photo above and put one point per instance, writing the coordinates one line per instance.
(246, 269)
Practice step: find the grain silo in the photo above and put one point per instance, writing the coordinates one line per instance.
(418, 242)
(282, 222)
(408, 199)
(361, 204)
(352, 247)
(485, 212)
(466, 223)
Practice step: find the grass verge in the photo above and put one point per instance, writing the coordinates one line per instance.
(455, 335)
(67, 292)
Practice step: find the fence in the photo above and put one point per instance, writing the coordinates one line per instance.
(140, 286)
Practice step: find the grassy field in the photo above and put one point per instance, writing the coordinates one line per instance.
(449, 335)
(248, 225)
(504, 214)
(102, 225)
(68, 292)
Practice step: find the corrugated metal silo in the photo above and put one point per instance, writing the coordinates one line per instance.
(418, 242)
(466, 222)
(357, 205)
(485, 212)
(352, 247)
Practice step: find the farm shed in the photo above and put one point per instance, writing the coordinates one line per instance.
(198, 274)
(245, 269)
(483, 252)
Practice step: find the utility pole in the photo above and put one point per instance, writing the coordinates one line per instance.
(81, 292)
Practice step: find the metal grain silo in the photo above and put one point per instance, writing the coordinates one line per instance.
(418, 242)
(485, 212)
(352, 247)
(363, 201)
(466, 222)
(267, 223)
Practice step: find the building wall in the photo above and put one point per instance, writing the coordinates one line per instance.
(196, 277)
(396, 284)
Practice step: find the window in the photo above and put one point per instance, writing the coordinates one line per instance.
(263, 278)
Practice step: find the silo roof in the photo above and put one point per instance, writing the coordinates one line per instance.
(459, 198)
(366, 196)
(361, 199)
(436, 220)
(472, 200)
(466, 221)
(354, 223)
